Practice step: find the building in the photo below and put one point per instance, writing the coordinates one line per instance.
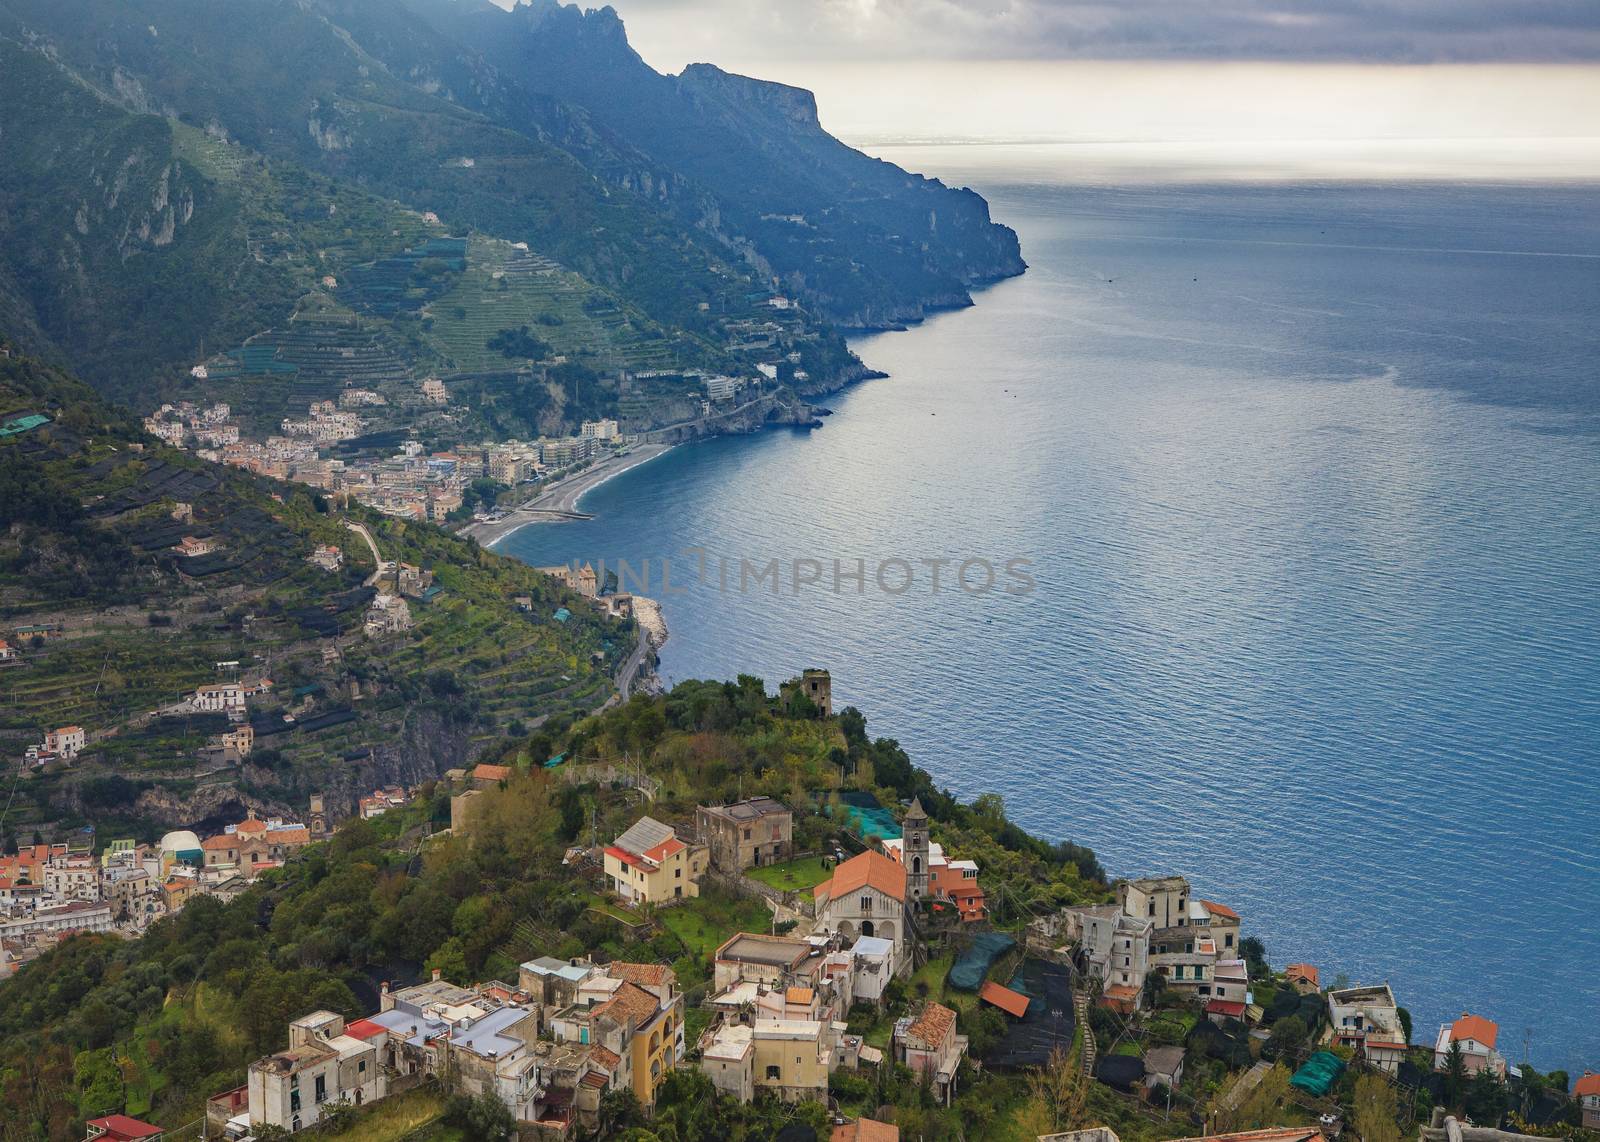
(1367, 1019)
(756, 831)
(815, 685)
(434, 392)
(322, 1066)
(60, 920)
(1112, 947)
(190, 546)
(219, 697)
(1304, 978)
(649, 864)
(121, 1128)
(68, 741)
(775, 961)
(8, 653)
(1587, 1091)
(380, 801)
(1163, 1066)
(644, 1032)
(1477, 1037)
(865, 1130)
(928, 1044)
(1163, 900)
(866, 896)
(947, 883)
(1224, 925)
(327, 557)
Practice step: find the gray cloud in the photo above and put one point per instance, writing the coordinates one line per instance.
(1394, 31)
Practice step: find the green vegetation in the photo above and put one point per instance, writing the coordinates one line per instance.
(704, 923)
(801, 875)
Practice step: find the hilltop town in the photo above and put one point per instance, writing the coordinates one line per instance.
(846, 951)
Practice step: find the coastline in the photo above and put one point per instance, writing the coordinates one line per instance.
(560, 500)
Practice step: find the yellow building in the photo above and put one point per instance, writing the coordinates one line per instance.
(650, 865)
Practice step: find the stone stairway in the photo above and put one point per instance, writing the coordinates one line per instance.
(1080, 1012)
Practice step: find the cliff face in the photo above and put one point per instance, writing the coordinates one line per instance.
(864, 242)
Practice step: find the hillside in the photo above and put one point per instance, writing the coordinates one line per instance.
(155, 1026)
(114, 627)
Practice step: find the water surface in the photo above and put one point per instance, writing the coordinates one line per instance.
(1310, 481)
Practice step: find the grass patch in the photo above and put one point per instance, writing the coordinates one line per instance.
(398, 1116)
(705, 922)
(801, 875)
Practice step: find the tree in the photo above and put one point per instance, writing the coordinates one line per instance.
(483, 1116)
(1455, 1075)
(1254, 951)
(1375, 1114)
(1058, 1092)
(1405, 1021)
(1288, 1035)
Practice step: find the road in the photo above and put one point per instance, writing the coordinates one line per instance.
(377, 560)
(560, 500)
(630, 669)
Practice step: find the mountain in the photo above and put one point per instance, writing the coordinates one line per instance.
(177, 176)
(113, 626)
(863, 240)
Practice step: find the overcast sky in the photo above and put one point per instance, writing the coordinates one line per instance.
(1389, 31)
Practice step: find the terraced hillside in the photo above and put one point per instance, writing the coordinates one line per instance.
(90, 508)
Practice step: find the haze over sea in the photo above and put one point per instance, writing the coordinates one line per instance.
(1309, 473)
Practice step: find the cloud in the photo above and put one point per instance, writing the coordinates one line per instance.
(1392, 31)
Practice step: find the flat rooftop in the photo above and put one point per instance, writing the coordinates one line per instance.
(770, 951)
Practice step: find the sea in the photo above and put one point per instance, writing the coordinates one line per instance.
(1266, 520)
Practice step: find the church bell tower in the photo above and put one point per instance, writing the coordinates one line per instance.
(914, 830)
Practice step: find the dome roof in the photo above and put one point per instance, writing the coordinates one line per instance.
(179, 841)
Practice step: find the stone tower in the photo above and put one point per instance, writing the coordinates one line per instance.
(914, 831)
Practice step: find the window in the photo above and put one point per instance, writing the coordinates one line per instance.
(294, 1100)
(1228, 942)
(677, 873)
(361, 1067)
(322, 1088)
(866, 904)
(747, 834)
(775, 1074)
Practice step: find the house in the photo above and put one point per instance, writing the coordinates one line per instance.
(485, 776)
(866, 895)
(327, 557)
(434, 392)
(747, 957)
(8, 653)
(1476, 1036)
(648, 863)
(68, 741)
(815, 685)
(948, 881)
(872, 966)
(1163, 1066)
(1367, 1019)
(322, 1066)
(190, 546)
(1224, 924)
(928, 1044)
(1163, 900)
(865, 1130)
(380, 801)
(219, 697)
(643, 1032)
(1304, 978)
(1113, 948)
(756, 831)
(1587, 1091)
(121, 1128)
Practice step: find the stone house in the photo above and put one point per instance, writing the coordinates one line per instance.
(866, 896)
(321, 1066)
(756, 831)
(649, 863)
(929, 1045)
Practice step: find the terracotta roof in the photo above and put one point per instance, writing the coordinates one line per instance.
(798, 995)
(630, 1002)
(1476, 1027)
(296, 836)
(1220, 910)
(251, 825)
(219, 843)
(594, 1080)
(487, 772)
(1011, 1002)
(866, 1130)
(605, 1057)
(1225, 1007)
(934, 1024)
(645, 975)
(666, 848)
(869, 869)
(1587, 1085)
(1308, 972)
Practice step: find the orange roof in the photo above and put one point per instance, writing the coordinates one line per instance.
(219, 842)
(1307, 972)
(798, 995)
(870, 869)
(605, 1057)
(645, 975)
(1004, 998)
(1272, 1134)
(365, 1029)
(294, 836)
(1475, 1027)
(659, 853)
(251, 825)
(630, 1002)
(934, 1024)
(1220, 910)
(487, 772)
(866, 1130)
(1587, 1085)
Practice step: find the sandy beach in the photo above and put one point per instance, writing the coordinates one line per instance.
(559, 500)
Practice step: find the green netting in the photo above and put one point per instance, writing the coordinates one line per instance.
(968, 971)
(1319, 1074)
(864, 816)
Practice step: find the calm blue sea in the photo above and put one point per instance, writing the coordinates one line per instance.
(1309, 479)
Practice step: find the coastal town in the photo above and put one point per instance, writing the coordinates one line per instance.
(887, 956)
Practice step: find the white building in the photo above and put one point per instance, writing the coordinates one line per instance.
(322, 1066)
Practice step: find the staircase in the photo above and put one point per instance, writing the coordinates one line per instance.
(1080, 1013)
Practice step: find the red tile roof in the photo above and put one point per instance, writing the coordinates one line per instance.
(121, 1128)
(1476, 1027)
(219, 843)
(251, 825)
(1587, 1085)
(1308, 972)
(869, 869)
(487, 772)
(645, 975)
(934, 1024)
(666, 848)
(1220, 910)
(866, 1130)
(1004, 998)
(1225, 1007)
(605, 1057)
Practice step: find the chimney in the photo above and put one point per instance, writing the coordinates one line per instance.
(383, 988)
(437, 972)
